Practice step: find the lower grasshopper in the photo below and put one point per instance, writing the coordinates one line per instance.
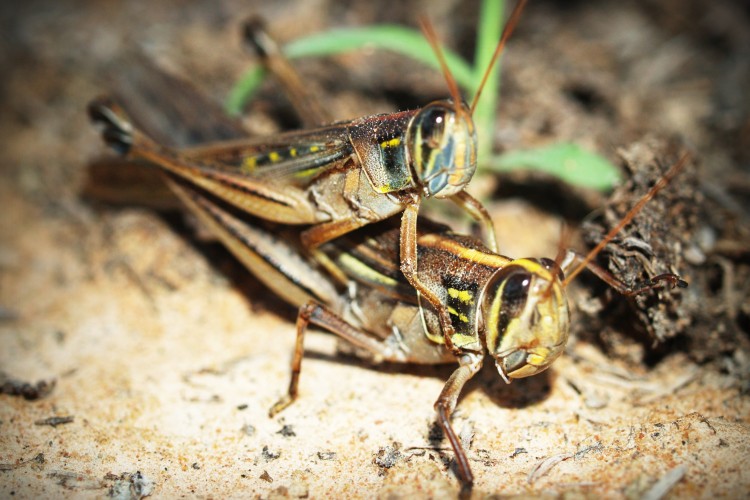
(338, 177)
(515, 310)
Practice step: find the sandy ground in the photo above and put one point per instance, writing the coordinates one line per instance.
(167, 355)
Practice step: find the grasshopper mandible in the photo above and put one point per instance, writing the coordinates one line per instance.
(339, 177)
(515, 310)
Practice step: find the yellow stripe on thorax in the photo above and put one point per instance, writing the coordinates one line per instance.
(442, 243)
(390, 143)
(461, 316)
(463, 296)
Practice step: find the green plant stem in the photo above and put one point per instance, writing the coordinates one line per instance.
(490, 27)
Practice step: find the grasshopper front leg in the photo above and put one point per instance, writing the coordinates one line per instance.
(409, 268)
(409, 255)
(470, 363)
(476, 210)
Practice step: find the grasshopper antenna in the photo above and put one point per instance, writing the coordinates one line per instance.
(431, 36)
(507, 31)
(562, 246)
(661, 183)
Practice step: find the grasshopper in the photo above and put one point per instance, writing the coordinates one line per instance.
(515, 310)
(339, 177)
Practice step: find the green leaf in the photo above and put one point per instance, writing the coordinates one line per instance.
(244, 89)
(569, 162)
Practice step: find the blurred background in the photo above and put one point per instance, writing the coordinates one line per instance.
(168, 355)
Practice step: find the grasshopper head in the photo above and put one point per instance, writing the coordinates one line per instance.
(526, 317)
(442, 148)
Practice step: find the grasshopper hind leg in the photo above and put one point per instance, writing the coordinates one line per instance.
(307, 106)
(314, 313)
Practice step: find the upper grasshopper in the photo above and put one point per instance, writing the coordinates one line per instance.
(334, 178)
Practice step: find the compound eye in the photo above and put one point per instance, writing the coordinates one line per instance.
(431, 152)
(442, 147)
(432, 148)
(432, 128)
(507, 294)
(515, 292)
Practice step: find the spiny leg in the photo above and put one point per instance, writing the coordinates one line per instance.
(476, 210)
(327, 231)
(446, 403)
(304, 102)
(319, 315)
